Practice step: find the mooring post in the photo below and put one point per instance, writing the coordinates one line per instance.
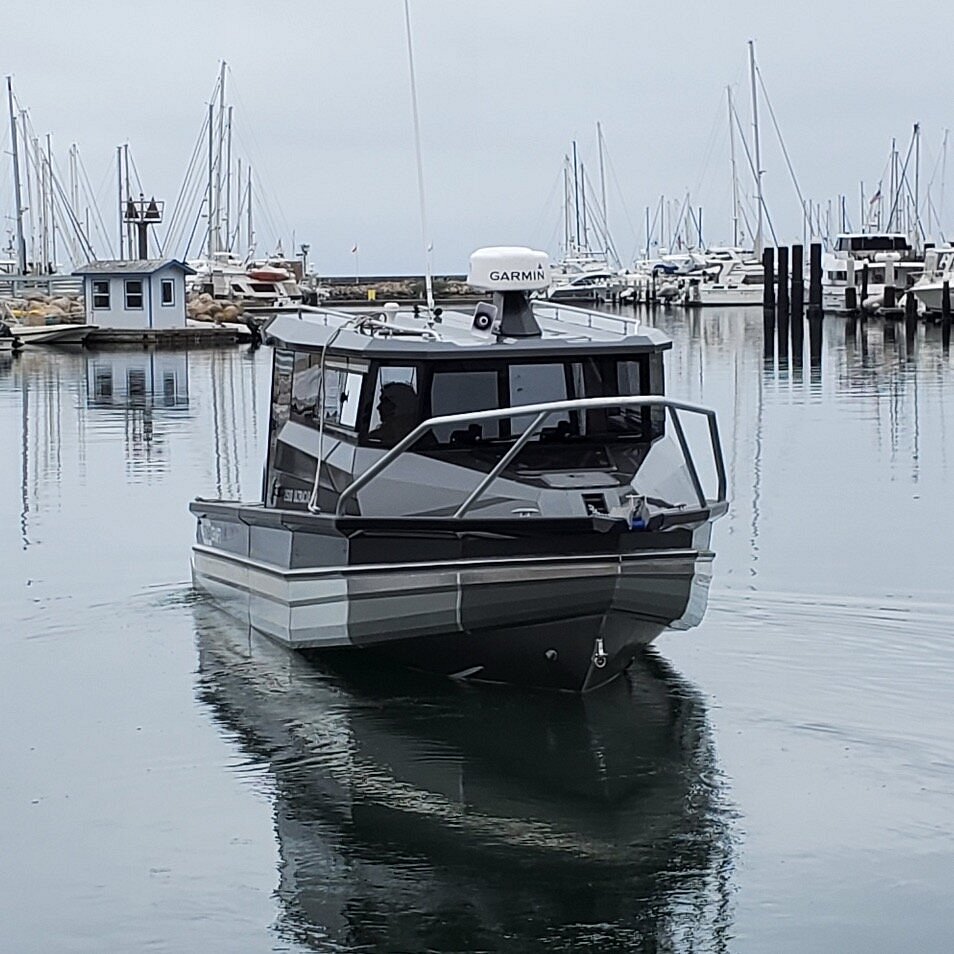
(910, 319)
(798, 281)
(851, 300)
(889, 301)
(815, 314)
(781, 305)
(768, 303)
(814, 282)
(768, 278)
(864, 284)
(782, 300)
(946, 316)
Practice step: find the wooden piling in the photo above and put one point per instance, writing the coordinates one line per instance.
(910, 319)
(782, 300)
(946, 316)
(851, 300)
(768, 303)
(798, 281)
(814, 281)
(768, 278)
(889, 301)
(864, 284)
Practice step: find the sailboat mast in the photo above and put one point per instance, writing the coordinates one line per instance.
(940, 211)
(208, 233)
(916, 225)
(17, 198)
(228, 182)
(599, 143)
(251, 231)
(567, 228)
(586, 235)
(576, 197)
(218, 160)
(119, 200)
(758, 150)
(735, 175)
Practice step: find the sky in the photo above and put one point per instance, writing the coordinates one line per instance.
(322, 110)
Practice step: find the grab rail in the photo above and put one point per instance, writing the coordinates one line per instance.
(542, 412)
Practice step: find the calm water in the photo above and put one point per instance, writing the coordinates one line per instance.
(779, 779)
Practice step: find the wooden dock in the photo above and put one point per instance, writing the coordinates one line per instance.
(210, 336)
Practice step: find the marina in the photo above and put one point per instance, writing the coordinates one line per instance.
(300, 803)
(462, 496)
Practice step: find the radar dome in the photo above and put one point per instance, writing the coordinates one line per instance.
(509, 268)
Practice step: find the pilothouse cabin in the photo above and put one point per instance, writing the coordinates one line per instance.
(366, 388)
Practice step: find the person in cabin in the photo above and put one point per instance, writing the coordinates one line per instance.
(397, 409)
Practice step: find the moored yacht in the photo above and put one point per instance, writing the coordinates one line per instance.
(728, 279)
(505, 495)
(938, 269)
(226, 277)
(584, 276)
(868, 262)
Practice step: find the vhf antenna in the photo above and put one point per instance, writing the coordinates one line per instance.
(428, 284)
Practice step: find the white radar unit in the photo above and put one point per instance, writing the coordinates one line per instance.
(509, 268)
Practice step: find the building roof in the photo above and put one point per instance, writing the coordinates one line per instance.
(132, 267)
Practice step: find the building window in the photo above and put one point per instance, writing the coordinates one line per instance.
(168, 291)
(101, 294)
(133, 294)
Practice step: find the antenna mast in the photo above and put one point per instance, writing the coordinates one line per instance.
(428, 284)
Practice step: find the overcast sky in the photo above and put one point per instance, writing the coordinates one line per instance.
(322, 108)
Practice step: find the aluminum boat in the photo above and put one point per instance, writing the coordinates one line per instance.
(503, 495)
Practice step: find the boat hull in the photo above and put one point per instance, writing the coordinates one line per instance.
(53, 334)
(489, 609)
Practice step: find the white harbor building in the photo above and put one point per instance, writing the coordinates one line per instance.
(139, 294)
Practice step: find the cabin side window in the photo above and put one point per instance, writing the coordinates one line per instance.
(168, 292)
(341, 396)
(337, 386)
(304, 388)
(395, 405)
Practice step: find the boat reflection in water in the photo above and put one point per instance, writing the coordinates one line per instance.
(417, 813)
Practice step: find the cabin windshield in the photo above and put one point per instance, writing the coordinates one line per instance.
(404, 395)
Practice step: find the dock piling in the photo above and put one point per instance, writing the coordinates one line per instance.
(814, 282)
(910, 319)
(768, 303)
(798, 281)
(946, 316)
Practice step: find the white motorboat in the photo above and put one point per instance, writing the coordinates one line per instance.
(584, 276)
(938, 269)
(65, 333)
(868, 262)
(227, 277)
(728, 279)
